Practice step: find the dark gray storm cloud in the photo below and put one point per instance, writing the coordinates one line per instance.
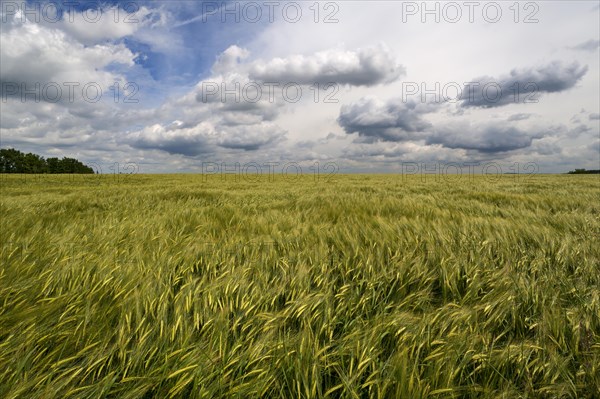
(485, 139)
(250, 137)
(403, 121)
(397, 121)
(188, 145)
(174, 146)
(521, 85)
(388, 121)
(519, 117)
(590, 45)
(206, 137)
(578, 130)
(175, 138)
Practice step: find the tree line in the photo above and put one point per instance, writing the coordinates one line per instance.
(14, 161)
(583, 172)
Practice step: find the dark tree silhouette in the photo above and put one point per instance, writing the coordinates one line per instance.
(14, 161)
(583, 172)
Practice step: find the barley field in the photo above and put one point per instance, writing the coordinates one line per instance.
(352, 286)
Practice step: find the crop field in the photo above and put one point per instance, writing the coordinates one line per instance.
(352, 286)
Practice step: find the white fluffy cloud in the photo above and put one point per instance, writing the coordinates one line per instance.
(362, 67)
(230, 60)
(102, 24)
(33, 55)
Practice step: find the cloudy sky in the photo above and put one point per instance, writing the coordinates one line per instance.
(370, 86)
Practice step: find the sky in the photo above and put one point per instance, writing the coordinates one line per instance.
(274, 86)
